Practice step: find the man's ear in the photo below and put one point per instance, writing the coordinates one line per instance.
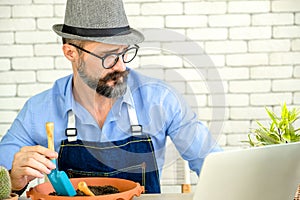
(70, 52)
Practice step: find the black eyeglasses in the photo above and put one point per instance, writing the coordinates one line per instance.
(110, 60)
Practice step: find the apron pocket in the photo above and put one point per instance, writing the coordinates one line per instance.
(136, 171)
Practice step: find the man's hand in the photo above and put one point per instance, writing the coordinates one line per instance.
(30, 163)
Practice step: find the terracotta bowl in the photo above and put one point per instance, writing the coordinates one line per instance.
(128, 189)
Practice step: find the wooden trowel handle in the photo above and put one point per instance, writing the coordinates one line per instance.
(50, 135)
(82, 186)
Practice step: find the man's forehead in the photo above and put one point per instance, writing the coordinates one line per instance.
(107, 47)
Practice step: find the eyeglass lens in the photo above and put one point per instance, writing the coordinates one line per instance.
(127, 56)
(109, 60)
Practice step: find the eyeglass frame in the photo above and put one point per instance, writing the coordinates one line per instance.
(136, 47)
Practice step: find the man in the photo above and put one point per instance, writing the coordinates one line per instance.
(109, 120)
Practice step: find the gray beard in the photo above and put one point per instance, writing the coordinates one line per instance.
(100, 85)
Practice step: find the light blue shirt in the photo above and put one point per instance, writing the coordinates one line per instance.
(160, 110)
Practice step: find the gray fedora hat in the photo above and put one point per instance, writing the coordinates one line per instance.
(97, 20)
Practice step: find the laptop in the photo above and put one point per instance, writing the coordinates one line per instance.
(259, 173)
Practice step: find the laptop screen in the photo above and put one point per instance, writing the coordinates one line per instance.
(262, 173)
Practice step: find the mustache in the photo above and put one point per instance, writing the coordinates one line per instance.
(115, 91)
(114, 76)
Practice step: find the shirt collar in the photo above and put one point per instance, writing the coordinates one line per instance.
(70, 101)
(127, 98)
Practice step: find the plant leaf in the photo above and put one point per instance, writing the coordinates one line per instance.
(273, 116)
(280, 130)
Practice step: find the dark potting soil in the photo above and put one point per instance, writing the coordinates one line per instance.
(97, 190)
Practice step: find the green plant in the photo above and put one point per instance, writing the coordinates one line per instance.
(5, 184)
(280, 130)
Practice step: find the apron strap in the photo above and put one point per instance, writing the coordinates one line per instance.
(135, 127)
(71, 131)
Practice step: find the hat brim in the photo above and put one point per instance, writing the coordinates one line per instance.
(134, 37)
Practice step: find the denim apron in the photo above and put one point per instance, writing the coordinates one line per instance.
(132, 158)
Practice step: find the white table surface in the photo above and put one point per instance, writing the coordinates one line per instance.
(165, 196)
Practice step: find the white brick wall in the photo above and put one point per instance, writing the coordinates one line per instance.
(253, 46)
(250, 33)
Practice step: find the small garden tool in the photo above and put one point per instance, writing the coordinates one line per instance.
(59, 179)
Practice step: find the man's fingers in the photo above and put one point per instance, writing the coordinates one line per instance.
(41, 150)
(38, 162)
(34, 160)
(29, 163)
(30, 172)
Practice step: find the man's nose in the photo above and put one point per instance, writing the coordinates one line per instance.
(120, 65)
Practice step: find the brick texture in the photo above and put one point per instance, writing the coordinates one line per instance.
(222, 55)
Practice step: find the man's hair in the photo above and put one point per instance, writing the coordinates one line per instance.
(79, 43)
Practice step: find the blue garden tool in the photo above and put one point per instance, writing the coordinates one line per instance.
(59, 179)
